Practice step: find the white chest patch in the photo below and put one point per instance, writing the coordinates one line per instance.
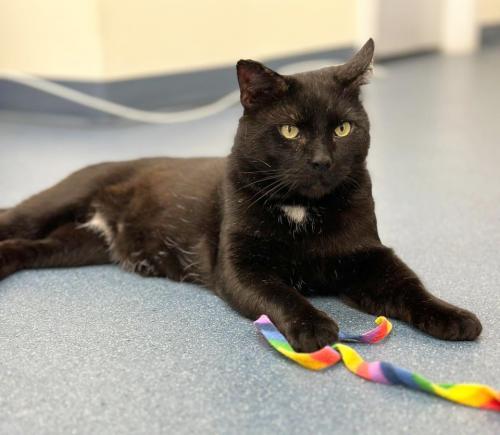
(99, 225)
(295, 213)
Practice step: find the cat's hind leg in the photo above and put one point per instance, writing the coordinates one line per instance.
(68, 245)
(66, 201)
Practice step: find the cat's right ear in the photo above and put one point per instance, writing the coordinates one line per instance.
(259, 85)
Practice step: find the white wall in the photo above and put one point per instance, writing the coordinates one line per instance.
(118, 39)
(489, 12)
(459, 26)
(55, 38)
(399, 26)
(176, 35)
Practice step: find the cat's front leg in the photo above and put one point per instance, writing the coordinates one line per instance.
(378, 282)
(253, 294)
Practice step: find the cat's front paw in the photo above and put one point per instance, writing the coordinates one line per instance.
(310, 332)
(450, 323)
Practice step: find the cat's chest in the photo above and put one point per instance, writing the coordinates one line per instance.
(295, 214)
(301, 221)
(287, 233)
(303, 234)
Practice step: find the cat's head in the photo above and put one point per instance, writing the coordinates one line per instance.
(302, 134)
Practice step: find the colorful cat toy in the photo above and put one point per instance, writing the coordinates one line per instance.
(474, 395)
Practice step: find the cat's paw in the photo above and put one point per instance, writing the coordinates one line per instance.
(310, 332)
(450, 323)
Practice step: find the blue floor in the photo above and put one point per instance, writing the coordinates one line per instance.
(98, 350)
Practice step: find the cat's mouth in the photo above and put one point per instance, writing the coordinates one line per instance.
(317, 187)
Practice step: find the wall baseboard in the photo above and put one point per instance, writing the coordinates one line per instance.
(490, 35)
(168, 93)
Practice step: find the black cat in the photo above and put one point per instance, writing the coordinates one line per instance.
(289, 212)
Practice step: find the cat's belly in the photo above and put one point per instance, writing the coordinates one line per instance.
(163, 221)
(148, 255)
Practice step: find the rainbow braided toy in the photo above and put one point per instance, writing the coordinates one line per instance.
(474, 395)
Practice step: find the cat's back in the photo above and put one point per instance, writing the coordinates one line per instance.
(188, 185)
(195, 177)
(173, 166)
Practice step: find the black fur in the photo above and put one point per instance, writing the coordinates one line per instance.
(278, 219)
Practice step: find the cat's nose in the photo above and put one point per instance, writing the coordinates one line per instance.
(321, 162)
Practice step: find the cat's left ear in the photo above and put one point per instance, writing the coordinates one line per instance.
(357, 70)
(258, 84)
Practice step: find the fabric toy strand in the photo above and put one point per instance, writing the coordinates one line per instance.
(474, 395)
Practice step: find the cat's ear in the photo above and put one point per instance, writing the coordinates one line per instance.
(357, 70)
(258, 84)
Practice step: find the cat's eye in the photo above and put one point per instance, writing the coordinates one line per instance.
(343, 129)
(289, 131)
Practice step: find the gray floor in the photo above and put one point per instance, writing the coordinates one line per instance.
(98, 350)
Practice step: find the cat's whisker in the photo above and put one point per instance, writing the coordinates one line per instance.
(274, 188)
(264, 189)
(260, 180)
(269, 192)
(261, 192)
(268, 171)
(275, 192)
(261, 161)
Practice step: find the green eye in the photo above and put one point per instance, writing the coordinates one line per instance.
(289, 131)
(343, 129)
